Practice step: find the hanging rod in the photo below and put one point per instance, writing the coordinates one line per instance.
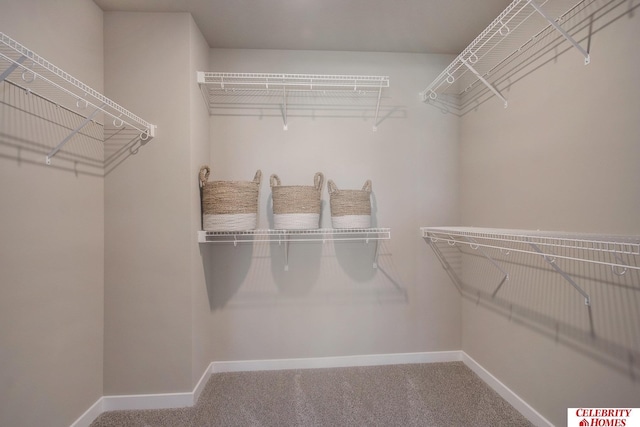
(41, 77)
(517, 28)
(214, 83)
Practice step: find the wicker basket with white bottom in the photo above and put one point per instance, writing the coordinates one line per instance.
(296, 207)
(229, 205)
(350, 208)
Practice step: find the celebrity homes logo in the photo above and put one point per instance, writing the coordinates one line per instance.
(603, 417)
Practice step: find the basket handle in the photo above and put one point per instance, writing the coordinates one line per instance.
(318, 180)
(331, 186)
(258, 177)
(367, 186)
(275, 181)
(204, 174)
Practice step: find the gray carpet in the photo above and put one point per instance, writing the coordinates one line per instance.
(435, 394)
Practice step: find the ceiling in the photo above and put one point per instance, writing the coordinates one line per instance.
(419, 26)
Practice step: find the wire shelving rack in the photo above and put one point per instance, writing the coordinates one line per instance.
(26, 69)
(620, 253)
(284, 237)
(281, 87)
(484, 66)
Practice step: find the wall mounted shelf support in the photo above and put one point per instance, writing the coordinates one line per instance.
(552, 262)
(484, 81)
(86, 121)
(285, 237)
(474, 245)
(561, 30)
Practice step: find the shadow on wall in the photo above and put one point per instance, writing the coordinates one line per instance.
(33, 127)
(581, 22)
(253, 274)
(309, 105)
(539, 298)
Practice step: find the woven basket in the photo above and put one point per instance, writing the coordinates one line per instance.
(350, 208)
(296, 207)
(229, 205)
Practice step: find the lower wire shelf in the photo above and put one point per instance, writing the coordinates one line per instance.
(285, 237)
(620, 253)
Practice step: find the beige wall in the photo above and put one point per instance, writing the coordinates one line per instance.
(332, 302)
(148, 209)
(51, 233)
(563, 156)
(200, 153)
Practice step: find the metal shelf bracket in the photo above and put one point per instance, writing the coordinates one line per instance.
(73, 132)
(484, 81)
(475, 246)
(554, 23)
(552, 262)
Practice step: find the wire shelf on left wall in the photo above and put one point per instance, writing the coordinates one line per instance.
(35, 75)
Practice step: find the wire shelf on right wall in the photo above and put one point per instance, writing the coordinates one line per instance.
(525, 30)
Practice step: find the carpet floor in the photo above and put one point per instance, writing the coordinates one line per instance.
(434, 394)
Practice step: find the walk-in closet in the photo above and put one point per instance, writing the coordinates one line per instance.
(219, 212)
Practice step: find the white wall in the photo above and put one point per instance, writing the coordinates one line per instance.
(51, 229)
(563, 156)
(332, 302)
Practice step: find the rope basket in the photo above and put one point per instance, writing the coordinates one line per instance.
(350, 208)
(229, 205)
(296, 207)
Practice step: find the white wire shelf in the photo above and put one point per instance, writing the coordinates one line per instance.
(317, 235)
(283, 87)
(618, 252)
(24, 68)
(284, 237)
(481, 68)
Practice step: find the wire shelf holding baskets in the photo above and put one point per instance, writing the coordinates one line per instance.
(281, 88)
(23, 68)
(284, 237)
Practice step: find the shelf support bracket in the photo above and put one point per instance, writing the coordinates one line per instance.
(474, 245)
(552, 263)
(284, 108)
(12, 68)
(73, 132)
(375, 254)
(491, 87)
(286, 253)
(375, 119)
(536, 6)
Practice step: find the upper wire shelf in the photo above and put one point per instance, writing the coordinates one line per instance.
(517, 33)
(286, 86)
(26, 69)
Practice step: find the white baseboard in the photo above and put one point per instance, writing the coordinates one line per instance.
(337, 362)
(506, 393)
(89, 415)
(177, 400)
